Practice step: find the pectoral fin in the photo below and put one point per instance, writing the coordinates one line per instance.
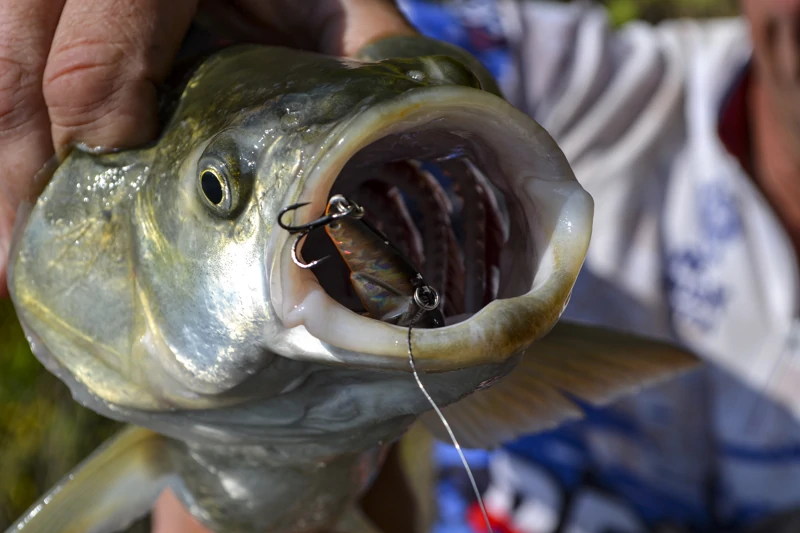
(593, 364)
(116, 485)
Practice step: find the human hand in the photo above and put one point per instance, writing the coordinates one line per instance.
(87, 70)
(169, 516)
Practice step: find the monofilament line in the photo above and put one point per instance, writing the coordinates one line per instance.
(450, 432)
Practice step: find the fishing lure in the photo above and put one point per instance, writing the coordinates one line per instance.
(390, 287)
(351, 209)
(387, 283)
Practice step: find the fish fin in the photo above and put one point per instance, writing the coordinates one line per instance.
(355, 521)
(402, 497)
(416, 460)
(591, 364)
(109, 490)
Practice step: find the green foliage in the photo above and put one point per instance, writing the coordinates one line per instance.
(43, 432)
(622, 11)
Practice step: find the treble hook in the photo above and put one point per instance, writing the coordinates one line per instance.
(296, 259)
(294, 229)
(344, 207)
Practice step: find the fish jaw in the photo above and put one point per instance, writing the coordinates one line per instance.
(114, 343)
(550, 221)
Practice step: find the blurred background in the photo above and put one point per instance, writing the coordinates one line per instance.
(44, 433)
(622, 11)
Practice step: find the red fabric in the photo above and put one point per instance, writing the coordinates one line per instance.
(478, 524)
(733, 127)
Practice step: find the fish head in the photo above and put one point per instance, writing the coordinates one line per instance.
(158, 279)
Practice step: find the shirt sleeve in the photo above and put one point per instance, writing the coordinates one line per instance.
(613, 99)
(589, 84)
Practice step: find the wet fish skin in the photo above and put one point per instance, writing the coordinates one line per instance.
(165, 305)
(131, 224)
(152, 306)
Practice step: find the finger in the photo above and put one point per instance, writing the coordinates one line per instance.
(107, 59)
(348, 27)
(338, 27)
(27, 29)
(169, 516)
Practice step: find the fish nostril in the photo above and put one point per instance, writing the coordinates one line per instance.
(212, 187)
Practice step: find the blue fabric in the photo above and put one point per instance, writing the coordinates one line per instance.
(471, 24)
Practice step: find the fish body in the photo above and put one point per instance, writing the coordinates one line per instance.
(157, 284)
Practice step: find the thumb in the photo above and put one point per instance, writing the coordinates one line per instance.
(358, 23)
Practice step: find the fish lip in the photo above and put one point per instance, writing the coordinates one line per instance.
(311, 322)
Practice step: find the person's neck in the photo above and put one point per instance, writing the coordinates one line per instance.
(776, 165)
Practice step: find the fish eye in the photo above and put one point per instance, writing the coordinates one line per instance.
(218, 187)
(222, 186)
(211, 185)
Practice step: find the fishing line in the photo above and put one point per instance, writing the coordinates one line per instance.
(449, 431)
(425, 297)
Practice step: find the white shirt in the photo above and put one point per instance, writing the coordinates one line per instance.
(684, 247)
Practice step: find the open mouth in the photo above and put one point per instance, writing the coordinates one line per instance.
(476, 195)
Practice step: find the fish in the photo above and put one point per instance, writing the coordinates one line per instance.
(158, 285)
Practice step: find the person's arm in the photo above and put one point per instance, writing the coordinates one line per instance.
(87, 70)
(614, 99)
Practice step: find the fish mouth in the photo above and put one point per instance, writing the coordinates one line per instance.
(503, 248)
